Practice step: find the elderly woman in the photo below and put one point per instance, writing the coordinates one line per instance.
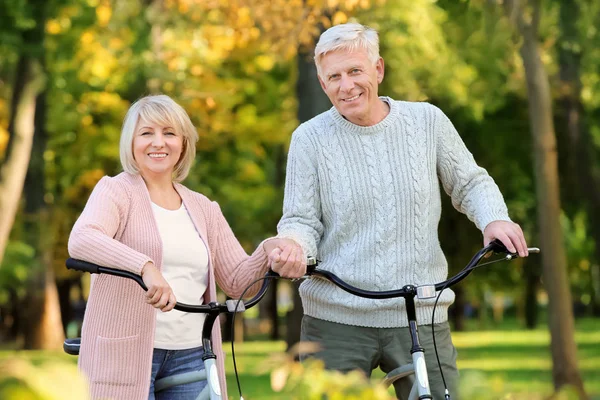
(144, 221)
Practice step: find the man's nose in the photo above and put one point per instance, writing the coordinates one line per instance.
(346, 83)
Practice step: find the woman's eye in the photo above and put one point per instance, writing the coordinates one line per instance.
(170, 133)
(146, 133)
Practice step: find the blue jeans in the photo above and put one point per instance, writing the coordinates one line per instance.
(172, 362)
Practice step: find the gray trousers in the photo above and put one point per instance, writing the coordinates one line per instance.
(347, 347)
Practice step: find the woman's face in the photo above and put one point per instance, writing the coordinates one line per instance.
(156, 149)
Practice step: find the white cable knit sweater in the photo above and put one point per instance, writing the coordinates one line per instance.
(366, 202)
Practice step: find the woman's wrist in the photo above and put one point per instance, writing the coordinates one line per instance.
(145, 267)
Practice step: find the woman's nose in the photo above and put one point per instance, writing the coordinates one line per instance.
(158, 140)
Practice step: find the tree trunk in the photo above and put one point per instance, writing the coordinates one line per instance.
(580, 148)
(267, 312)
(456, 236)
(63, 288)
(44, 325)
(29, 83)
(560, 313)
(294, 319)
(230, 319)
(311, 102)
(272, 310)
(532, 282)
(458, 309)
(153, 82)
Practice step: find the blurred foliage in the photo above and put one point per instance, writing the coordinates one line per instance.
(311, 381)
(16, 267)
(25, 380)
(232, 65)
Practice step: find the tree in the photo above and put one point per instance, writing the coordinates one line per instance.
(43, 328)
(581, 160)
(526, 19)
(29, 82)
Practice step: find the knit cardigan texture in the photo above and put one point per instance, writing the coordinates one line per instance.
(365, 200)
(117, 229)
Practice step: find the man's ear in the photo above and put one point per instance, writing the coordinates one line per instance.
(322, 83)
(380, 67)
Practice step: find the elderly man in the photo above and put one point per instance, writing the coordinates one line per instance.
(362, 194)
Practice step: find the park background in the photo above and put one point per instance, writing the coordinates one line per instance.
(519, 79)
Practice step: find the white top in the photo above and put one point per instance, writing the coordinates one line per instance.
(185, 267)
(365, 201)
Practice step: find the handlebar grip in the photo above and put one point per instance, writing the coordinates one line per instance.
(497, 247)
(82, 266)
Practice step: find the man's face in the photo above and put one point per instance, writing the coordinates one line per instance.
(350, 80)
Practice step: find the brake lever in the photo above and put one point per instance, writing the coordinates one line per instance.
(510, 256)
(497, 246)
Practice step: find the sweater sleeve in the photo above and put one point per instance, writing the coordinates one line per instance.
(92, 238)
(472, 190)
(234, 269)
(301, 220)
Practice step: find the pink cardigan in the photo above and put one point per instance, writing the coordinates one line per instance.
(117, 229)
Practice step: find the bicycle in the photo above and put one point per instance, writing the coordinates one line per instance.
(416, 372)
(417, 376)
(212, 391)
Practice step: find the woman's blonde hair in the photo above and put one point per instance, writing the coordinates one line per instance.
(159, 110)
(347, 37)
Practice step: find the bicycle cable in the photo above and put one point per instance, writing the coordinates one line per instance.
(237, 303)
(446, 392)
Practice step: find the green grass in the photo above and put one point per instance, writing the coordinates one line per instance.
(520, 362)
(501, 361)
(505, 361)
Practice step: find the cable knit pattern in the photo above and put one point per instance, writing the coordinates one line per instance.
(117, 229)
(366, 202)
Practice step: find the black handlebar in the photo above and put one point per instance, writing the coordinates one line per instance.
(495, 246)
(84, 266)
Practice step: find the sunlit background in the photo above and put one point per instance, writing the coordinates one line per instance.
(69, 69)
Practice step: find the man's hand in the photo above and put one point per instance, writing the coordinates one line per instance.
(286, 257)
(509, 233)
(159, 294)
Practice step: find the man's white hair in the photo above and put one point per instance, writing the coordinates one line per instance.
(347, 37)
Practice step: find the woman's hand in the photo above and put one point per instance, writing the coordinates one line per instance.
(286, 257)
(159, 294)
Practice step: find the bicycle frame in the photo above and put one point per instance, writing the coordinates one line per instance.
(212, 391)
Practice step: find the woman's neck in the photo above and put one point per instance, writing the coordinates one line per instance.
(162, 192)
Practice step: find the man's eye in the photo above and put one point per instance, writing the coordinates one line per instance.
(331, 77)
